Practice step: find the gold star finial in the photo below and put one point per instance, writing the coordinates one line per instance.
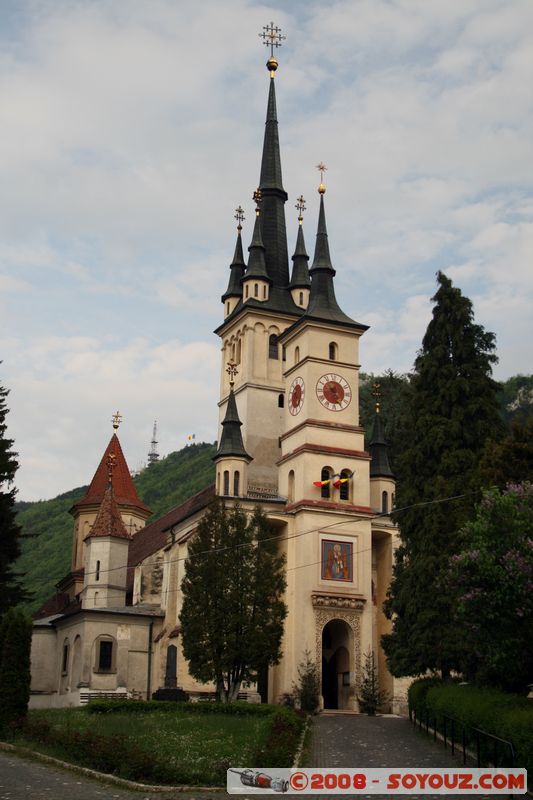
(239, 216)
(116, 419)
(272, 37)
(257, 197)
(376, 392)
(111, 464)
(321, 167)
(300, 206)
(232, 371)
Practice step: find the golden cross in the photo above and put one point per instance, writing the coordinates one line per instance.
(272, 37)
(321, 168)
(116, 419)
(239, 216)
(300, 205)
(376, 392)
(111, 464)
(257, 197)
(232, 371)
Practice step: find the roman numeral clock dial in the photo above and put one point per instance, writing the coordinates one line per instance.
(296, 396)
(334, 392)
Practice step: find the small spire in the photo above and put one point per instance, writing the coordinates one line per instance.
(378, 449)
(231, 443)
(376, 392)
(322, 258)
(272, 38)
(300, 270)
(116, 419)
(238, 265)
(256, 262)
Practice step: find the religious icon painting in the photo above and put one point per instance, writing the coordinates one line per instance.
(337, 561)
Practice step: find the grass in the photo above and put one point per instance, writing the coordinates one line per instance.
(170, 748)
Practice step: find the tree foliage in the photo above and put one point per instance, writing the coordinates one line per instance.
(492, 581)
(452, 413)
(15, 646)
(307, 690)
(370, 696)
(510, 458)
(11, 591)
(233, 612)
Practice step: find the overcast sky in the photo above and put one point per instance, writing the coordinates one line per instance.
(131, 129)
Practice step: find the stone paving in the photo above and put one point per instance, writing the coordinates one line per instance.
(341, 740)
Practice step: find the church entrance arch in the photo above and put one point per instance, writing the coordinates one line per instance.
(336, 667)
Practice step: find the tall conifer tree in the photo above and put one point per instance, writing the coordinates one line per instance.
(454, 410)
(11, 591)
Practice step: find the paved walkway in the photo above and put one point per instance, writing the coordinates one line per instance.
(341, 740)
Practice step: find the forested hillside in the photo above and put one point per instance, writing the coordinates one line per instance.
(48, 525)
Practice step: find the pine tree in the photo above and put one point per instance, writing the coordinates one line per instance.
(453, 412)
(233, 612)
(15, 674)
(370, 695)
(11, 592)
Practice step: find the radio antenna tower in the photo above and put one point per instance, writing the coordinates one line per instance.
(153, 455)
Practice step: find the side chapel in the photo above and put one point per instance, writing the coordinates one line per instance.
(290, 441)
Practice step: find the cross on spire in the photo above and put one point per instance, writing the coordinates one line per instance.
(239, 216)
(116, 419)
(257, 197)
(232, 370)
(300, 206)
(376, 392)
(321, 167)
(272, 37)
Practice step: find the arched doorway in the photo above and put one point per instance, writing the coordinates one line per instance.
(336, 668)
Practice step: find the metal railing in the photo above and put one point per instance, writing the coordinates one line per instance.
(485, 749)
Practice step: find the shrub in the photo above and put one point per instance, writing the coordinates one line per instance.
(282, 740)
(237, 708)
(14, 667)
(307, 690)
(370, 696)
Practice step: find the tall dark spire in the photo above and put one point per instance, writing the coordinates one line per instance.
(379, 451)
(237, 269)
(322, 301)
(231, 443)
(271, 186)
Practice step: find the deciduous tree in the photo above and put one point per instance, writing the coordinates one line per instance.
(233, 610)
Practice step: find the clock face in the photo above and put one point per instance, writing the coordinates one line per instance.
(296, 396)
(334, 392)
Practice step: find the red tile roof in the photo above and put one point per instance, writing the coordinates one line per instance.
(153, 537)
(123, 486)
(108, 521)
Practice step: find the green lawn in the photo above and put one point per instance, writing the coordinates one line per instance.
(154, 747)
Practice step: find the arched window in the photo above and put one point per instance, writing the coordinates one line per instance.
(281, 400)
(264, 292)
(332, 351)
(218, 482)
(385, 503)
(233, 351)
(283, 352)
(238, 353)
(226, 482)
(236, 477)
(246, 290)
(97, 571)
(344, 491)
(273, 346)
(227, 307)
(296, 354)
(64, 662)
(393, 501)
(105, 654)
(301, 298)
(325, 475)
(256, 290)
(291, 487)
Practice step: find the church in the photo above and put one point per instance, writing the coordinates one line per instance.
(289, 441)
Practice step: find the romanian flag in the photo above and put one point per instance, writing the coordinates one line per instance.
(340, 481)
(191, 437)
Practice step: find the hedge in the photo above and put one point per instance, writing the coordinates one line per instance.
(238, 708)
(508, 716)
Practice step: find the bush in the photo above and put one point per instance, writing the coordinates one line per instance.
(15, 676)
(508, 716)
(307, 690)
(370, 696)
(238, 708)
(282, 741)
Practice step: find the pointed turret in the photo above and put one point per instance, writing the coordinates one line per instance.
(231, 458)
(108, 521)
(233, 293)
(256, 281)
(379, 451)
(300, 281)
(231, 443)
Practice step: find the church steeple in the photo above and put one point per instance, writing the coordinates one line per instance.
(379, 451)
(300, 281)
(233, 293)
(231, 443)
(231, 458)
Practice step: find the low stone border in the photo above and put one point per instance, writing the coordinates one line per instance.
(104, 776)
(298, 754)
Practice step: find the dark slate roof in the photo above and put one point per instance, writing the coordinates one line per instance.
(237, 269)
(231, 443)
(300, 270)
(256, 261)
(378, 449)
